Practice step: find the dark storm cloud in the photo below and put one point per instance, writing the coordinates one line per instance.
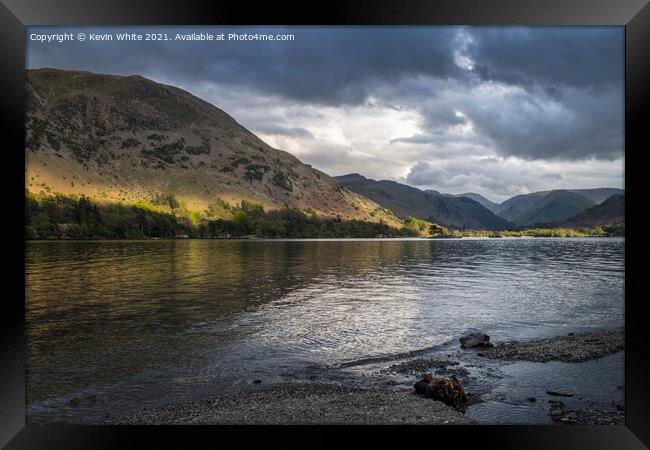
(579, 57)
(570, 105)
(559, 91)
(324, 65)
(573, 125)
(330, 63)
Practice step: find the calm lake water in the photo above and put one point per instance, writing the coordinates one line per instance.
(118, 325)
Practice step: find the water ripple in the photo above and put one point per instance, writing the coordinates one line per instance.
(99, 313)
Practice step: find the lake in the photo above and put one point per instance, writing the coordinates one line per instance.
(115, 325)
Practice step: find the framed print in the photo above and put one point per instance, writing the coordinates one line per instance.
(371, 213)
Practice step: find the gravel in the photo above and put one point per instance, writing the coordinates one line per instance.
(574, 347)
(564, 415)
(292, 403)
(420, 366)
(321, 403)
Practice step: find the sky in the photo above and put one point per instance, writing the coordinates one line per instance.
(500, 111)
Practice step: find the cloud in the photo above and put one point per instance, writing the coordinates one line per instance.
(326, 65)
(495, 110)
(570, 124)
(551, 57)
(286, 131)
(532, 125)
(424, 174)
(500, 178)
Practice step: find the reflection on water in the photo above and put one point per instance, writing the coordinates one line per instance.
(129, 313)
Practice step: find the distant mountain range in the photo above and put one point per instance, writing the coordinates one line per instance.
(545, 208)
(404, 200)
(555, 206)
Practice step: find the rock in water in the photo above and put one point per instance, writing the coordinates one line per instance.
(448, 390)
(421, 386)
(475, 340)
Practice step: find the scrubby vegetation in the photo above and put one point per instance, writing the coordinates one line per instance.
(164, 216)
(77, 217)
(282, 180)
(378, 210)
(130, 143)
(164, 152)
(202, 149)
(605, 230)
(418, 226)
(436, 230)
(255, 172)
(62, 216)
(165, 199)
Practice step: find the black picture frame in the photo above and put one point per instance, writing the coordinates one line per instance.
(16, 14)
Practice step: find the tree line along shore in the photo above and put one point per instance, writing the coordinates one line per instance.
(61, 216)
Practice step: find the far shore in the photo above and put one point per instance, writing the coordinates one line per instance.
(244, 238)
(323, 403)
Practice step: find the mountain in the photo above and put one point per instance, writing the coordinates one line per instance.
(129, 139)
(598, 195)
(474, 196)
(482, 200)
(403, 200)
(609, 212)
(543, 207)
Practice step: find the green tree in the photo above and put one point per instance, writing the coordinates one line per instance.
(172, 200)
(436, 230)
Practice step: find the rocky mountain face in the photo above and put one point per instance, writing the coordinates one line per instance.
(450, 211)
(609, 212)
(130, 139)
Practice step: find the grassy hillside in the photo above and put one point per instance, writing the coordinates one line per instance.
(130, 140)
(543, 207)
(611, 211)
(553, 207)
(490, 205)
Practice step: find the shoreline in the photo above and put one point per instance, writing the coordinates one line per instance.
(571, 347)
(302, 403)
(409, 238)
(353, 403)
